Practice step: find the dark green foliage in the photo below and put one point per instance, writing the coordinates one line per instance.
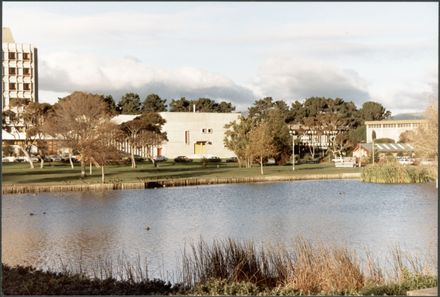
(384, 140)
(29, 281)
(130, 104)
(110, 103)
(373, 111)
(201, 105)
(153, 103)
(181, 105)
(357, 135)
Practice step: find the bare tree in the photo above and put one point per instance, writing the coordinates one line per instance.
(24, 120)
(78, 119)
(103, 149)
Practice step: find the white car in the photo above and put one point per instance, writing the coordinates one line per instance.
(405, 161)
(35, 159)
(8, 159)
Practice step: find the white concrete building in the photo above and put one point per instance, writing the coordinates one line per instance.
(20, 70)
(191, 133)
(390, 128)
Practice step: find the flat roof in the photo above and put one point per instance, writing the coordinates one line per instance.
(396, 121)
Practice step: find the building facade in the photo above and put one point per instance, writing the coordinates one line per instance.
(20, 70)
(196, 134)
(390, 128)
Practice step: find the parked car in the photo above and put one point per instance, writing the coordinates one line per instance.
(35, 159)
(21, 159)
(232, 159)
(182, 159)
(137, 158)
(405, 160)
(54, 158)
(160, 159)
(214, 159)
(8, 159)
(427, 162)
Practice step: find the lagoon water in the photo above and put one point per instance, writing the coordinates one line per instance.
(83, 226)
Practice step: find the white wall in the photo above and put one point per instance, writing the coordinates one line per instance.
(390, 129)
(194, 122)
(179, 122)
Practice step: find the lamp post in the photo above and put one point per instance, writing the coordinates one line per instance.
(293, 133)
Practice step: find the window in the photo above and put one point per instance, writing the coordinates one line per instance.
(26, 56)
(27, 86)
(375, 126)
(12, 71)
(389, 125)
(187, 137)
(204, 131)
(12, 86)
(11, 56)
(26, 71)
(209, 130)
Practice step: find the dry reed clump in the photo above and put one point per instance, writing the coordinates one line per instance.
(324, 269)
(307, 269)
(230, 266)
(235, 262)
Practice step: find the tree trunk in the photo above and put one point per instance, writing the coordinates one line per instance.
(90, 168)
(133, 162)
(94, 162)
(261, 165)
(70, 160)
(83, 167)
(42, 162)
(102, 174)
(26, 154)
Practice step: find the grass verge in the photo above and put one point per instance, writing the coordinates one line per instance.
(18, 178)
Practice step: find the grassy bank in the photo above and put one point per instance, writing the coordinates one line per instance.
(241, 268)
(395, 173)
(18, 178)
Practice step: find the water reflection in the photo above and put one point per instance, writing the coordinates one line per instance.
(87, 225)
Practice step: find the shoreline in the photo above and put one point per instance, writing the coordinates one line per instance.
(163, 183)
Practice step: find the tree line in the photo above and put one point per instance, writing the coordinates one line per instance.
(82, 123)
(266, 130)
(131, 103)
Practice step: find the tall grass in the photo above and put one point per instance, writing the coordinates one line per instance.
(395, 173)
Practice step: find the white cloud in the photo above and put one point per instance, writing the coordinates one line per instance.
(67, 72)
(411, 95)
(296, 78)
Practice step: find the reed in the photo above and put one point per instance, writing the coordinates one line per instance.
(305, 268)
(230, 267)
(395, 173)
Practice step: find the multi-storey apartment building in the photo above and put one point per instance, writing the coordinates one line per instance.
(20, 70)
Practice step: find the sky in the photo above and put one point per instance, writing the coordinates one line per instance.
(237, 52)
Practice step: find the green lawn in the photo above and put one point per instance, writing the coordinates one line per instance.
(61, 173)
